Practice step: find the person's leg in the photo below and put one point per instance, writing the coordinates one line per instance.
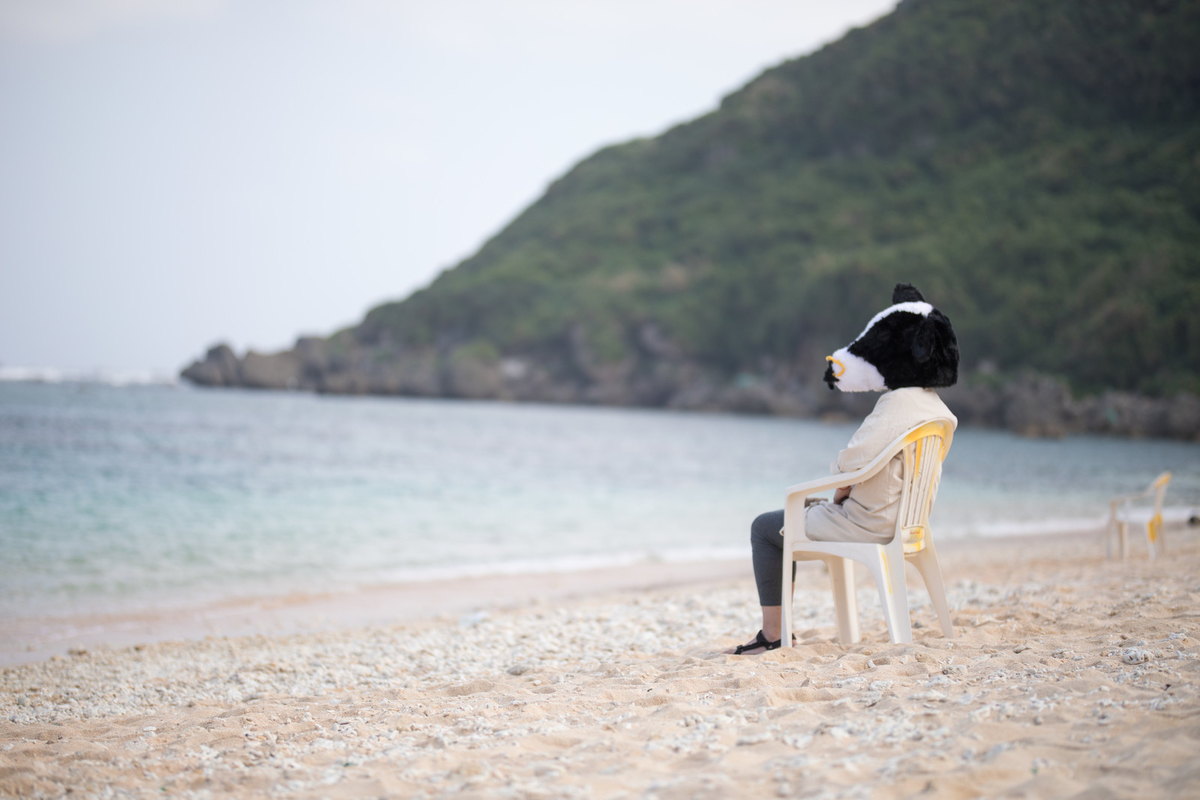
(766, 545)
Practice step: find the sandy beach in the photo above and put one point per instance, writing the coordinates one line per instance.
(1068, 676)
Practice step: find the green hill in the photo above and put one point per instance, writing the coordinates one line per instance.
(1033, 166)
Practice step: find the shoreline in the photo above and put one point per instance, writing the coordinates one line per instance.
(1068, 675)
(33, 638)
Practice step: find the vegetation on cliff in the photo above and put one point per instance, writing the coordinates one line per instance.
(1033, 166)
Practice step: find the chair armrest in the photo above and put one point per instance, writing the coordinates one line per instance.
(1129, 498)
(1160, 481)
(841, 479)
(823, 485)
(793, 505)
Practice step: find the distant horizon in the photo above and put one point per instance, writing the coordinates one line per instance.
(251, 173)
(110, 376)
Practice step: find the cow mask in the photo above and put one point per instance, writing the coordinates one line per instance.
(909, 343)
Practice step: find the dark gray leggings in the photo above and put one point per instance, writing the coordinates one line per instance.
(767, 547)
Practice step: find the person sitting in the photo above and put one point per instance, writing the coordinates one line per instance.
(906, 351)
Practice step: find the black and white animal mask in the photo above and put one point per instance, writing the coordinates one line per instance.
(909, 343)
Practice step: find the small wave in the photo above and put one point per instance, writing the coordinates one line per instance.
(1172, 516)
(1037, 527)
(106, 377)
(560, 564)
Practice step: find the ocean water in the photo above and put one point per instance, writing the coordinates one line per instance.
(126, 497)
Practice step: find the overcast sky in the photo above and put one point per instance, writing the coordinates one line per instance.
(175, 173)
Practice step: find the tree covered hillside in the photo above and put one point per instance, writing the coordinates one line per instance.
(1033, 166)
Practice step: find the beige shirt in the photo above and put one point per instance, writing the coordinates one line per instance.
(869, 513)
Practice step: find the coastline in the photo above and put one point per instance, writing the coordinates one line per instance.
(1031, 405)
(32, 639)
(1027, 403)
(450, 598)
(1068, 675)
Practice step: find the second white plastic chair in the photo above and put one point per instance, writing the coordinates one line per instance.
(1122, 513)
(924, 447)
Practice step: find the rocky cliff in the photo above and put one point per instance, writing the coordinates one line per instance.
(659, 377)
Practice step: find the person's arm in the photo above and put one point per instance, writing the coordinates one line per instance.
(874, 434)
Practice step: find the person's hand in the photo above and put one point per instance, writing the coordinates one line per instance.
(840, 495)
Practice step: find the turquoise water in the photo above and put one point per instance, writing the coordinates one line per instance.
(118, 498)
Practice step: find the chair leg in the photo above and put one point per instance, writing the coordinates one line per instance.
(927, 564)
(845, 603)
(1154, 538)
(786, 600)
(893, 596)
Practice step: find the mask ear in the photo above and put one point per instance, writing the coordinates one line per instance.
(906, 293)
(925, 341)
(935, 348)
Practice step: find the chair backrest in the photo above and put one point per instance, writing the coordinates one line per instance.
(1159, 487)
(924, 448)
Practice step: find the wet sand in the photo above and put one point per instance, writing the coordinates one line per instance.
(31, 639)
(1068, 676)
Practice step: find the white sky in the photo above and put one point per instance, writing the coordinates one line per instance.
(179, 172)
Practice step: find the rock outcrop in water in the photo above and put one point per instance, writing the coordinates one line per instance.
(1031, 405)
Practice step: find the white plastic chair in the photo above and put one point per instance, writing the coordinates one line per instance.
(1121, 513)
(924, 447)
